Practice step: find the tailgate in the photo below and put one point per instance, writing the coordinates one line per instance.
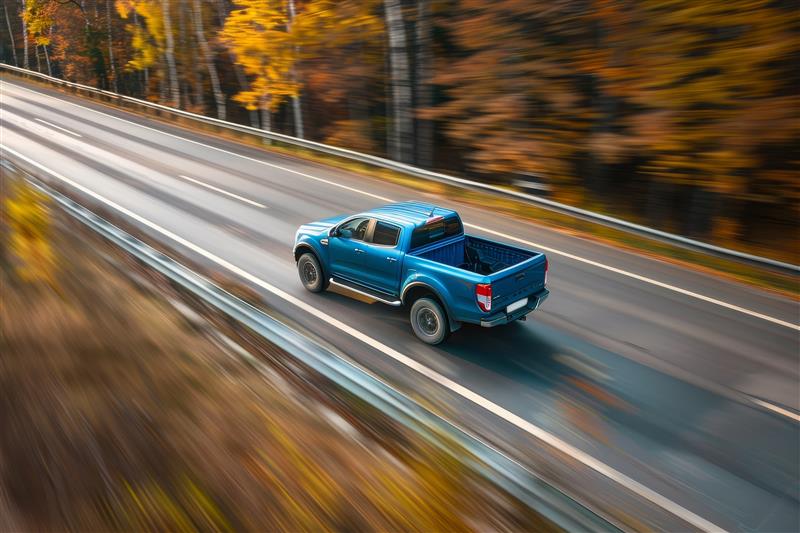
(518, 281)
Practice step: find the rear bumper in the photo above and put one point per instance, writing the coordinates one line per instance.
(534, 301)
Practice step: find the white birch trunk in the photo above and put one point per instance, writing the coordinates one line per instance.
(47, 59)
(424, 138)
(266, 120)
(296, 104)
(25, 59)
(115, 85)
(208, 58)
(400, 138)
(169, 53)
(11, 35)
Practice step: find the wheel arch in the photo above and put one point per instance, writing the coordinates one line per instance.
(302, 248)
(306, 247)
(419, 289)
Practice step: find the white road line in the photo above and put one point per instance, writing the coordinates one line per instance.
(279, 167)
(568, 255)
(217, 189)
(65, 130)
(776, 409)
(530, 428)
(639, 278)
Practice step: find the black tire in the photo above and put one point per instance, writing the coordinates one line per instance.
(311, 274)
(429, 321)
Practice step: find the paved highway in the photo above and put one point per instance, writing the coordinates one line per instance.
(678, 385)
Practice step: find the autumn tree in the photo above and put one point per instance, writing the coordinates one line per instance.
(257, 33)
(341, 65)
(513, 103)
(709, 87)
(78, 38)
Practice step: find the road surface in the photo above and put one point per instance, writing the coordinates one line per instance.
(683, 383)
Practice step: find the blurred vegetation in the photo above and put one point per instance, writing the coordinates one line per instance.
(680, 114)
(127, 406)
(26, 218)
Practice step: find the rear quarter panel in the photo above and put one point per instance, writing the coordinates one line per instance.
(455, 287)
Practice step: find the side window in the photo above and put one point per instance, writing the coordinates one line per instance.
(385, 234)
(354, 229)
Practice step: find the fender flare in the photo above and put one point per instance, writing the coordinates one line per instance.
(454, 324)
(308, 246)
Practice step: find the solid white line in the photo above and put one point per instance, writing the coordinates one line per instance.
(521, 423)
(65, 130)
(639, 277)
(776, 409)
(619, 271)
(309, 176)
(217, 189)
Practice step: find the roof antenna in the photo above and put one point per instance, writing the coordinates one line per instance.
(433, 208)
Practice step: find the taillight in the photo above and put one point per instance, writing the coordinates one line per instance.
(483, 293)
(546, 269)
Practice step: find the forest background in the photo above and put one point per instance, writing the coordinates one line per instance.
(680, 114)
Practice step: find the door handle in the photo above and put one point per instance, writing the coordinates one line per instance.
(359, 251)
(391, 259)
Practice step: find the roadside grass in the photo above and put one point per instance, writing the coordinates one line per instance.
(785, 284)
(121, 410)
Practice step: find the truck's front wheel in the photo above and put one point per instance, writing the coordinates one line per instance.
(429, 321)
(311, 273)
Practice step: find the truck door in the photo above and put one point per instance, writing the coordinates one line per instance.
(383, 259)
(347, 249)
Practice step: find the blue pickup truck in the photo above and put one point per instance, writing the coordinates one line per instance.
(416, 254)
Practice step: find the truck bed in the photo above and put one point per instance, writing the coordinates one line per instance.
(475, 255)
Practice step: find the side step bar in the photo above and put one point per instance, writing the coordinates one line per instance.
(365, 291)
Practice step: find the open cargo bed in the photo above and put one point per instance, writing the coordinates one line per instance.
(475, 254)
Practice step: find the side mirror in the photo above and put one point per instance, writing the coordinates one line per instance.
(333, 232)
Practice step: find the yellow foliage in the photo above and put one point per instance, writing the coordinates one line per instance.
(257, 33)
(40, 17)
(147, 43)
(29, 224)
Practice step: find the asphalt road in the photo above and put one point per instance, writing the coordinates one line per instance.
(684, 382)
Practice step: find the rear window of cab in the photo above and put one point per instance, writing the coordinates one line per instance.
(435, 231)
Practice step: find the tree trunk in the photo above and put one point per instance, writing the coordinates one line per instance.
(144, 80)
(186, 78)
(296, 107)
(38, 59)
(208, 58)
(47, 60)
(169, 53)
(401, 133)
(115, 85)
(424, 140)
(25, 60)
(266, 121)
(11, 36)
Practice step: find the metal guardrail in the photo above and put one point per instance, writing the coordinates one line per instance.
(477, 456)
(417, 172)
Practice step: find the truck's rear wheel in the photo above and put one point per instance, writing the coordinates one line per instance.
(429, 321)
(311, 273)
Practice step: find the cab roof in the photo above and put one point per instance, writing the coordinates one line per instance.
(410, 213)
